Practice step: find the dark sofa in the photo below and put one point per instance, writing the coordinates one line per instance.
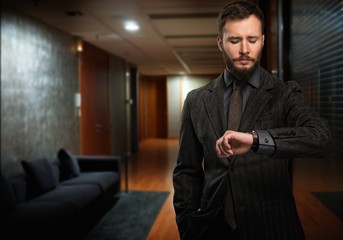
(59, 199)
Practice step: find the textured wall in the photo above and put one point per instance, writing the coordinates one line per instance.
(39, 79)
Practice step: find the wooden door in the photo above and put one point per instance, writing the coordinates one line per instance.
(153, 107)
(95, 116)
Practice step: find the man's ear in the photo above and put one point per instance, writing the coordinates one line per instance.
(220, 43)
(262, 40)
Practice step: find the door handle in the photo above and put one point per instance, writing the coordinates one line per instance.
(98, 127)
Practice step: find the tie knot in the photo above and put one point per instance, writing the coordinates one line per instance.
(236, 85)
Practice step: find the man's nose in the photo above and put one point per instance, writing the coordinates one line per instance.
(244, 48)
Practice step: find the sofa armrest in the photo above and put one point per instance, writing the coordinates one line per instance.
(90, 163)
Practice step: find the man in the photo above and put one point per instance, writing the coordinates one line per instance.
(233, 182)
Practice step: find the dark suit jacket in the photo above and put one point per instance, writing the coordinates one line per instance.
(261, 185)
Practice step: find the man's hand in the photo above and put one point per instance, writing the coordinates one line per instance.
(233, 143)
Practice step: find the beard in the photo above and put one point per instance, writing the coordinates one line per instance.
(242, 74)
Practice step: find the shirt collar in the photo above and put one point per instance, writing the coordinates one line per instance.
(253, 81)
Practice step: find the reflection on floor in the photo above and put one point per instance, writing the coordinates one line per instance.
(151, 169)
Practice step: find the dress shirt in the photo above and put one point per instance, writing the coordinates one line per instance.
(266, 142)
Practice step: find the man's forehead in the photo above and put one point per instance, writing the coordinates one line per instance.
(250, 25)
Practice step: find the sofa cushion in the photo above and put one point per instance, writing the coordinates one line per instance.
(80, 196)
(104, 180)
(32, 213)
(40, 176)
(69, 168)
(8, 200)
(19, 186)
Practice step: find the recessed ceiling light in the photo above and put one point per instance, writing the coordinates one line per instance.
(131, 26)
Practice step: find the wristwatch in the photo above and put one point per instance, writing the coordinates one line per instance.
(255, 143)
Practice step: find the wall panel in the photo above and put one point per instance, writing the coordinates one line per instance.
(317, 59)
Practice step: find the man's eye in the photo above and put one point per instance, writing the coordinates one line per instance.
(253, 40)
(234, 41)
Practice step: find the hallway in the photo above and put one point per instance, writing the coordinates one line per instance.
(151, 169)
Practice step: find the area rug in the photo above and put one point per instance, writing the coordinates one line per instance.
(130, 218)
(333, 201)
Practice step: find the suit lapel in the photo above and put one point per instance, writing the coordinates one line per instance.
(258, 99)
(214, 104)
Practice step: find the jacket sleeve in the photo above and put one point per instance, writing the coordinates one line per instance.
(188, 174)
(306, 134)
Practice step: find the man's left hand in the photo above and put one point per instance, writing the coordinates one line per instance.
(233, 143)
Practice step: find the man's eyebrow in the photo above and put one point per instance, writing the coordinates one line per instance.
(234, 37)
(237, 37)
(253, 37)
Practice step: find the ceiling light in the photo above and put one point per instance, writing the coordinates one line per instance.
(131, 26)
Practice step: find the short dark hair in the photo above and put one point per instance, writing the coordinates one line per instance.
(239, 10)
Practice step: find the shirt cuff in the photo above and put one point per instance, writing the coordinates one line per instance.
(266, 143)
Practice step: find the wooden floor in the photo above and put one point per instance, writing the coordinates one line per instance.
(151, 169)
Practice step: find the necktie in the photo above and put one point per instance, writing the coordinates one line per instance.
(236, 107)
(235, 114)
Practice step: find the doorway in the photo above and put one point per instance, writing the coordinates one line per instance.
(95, 127)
